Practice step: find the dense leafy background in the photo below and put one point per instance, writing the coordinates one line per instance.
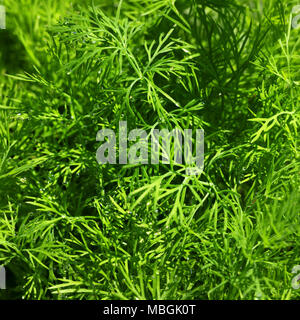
(70, 228)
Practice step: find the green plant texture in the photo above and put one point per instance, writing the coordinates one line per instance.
(71, 228)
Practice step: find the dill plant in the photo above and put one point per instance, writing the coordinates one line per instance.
(71, 229)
